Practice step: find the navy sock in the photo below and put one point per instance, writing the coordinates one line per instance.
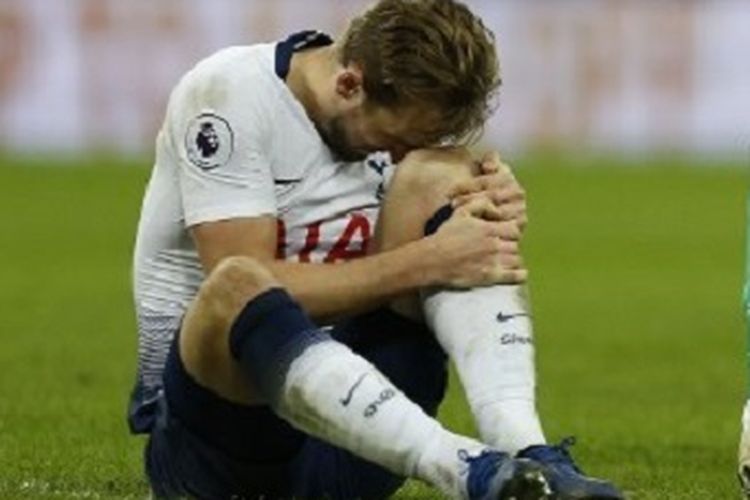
(438, 219)
(269, 333)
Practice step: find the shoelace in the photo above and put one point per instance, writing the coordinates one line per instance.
(482, 472)
(559, 453)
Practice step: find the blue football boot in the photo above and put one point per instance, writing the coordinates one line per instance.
(566, 480)
(493, 475)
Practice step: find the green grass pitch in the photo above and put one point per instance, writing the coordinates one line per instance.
(636, 277)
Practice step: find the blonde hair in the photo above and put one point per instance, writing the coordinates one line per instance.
(427, 53)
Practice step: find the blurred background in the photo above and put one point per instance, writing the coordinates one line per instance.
(611, 75)
(628, 122)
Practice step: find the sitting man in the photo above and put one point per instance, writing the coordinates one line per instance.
(273, 203)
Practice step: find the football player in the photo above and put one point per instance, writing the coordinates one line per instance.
(298, 293)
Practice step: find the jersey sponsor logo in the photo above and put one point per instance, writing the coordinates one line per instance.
(348, 243)
(209, 141)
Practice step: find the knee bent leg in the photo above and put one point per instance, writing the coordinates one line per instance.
(432, 172)
(232, 284)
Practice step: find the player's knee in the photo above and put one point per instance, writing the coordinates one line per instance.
(432, 172)
(234, 282)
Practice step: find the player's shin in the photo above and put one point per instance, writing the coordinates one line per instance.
(324, 389)
(487, 332)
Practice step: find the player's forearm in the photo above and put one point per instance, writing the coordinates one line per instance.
(327, 290)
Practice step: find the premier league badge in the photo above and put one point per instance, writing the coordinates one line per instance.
(209, 141)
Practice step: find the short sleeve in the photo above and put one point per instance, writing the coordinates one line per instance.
(219, 128)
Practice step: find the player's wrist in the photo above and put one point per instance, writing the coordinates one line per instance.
(410, 267)
(426, 264)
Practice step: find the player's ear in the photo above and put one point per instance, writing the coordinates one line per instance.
(349, 85)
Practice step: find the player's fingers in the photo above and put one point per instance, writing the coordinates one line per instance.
(512, 276)
(522, 222)
(481, 183)
(508, 194)
(493, 156)
(480, 207)
(461, 200)
(511, 261)
(508, 247)
(518, 275)
(507, 210)
(506, 231)
(512, 210)
(465, 199)
(508, 254)
(491, 163)
(464, 187)
(489, 168)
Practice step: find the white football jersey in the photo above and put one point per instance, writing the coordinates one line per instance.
(237, 143)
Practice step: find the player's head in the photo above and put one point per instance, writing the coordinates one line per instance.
(412, 73)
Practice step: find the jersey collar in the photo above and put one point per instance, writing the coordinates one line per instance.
(296, 42)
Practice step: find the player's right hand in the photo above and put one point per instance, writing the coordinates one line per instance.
(476, 247)
(496, 182)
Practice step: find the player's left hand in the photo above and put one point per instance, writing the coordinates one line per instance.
(494, 181)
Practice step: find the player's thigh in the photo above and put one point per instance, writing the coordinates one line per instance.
(204, 335)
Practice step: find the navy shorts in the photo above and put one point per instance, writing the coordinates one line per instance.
(203, 446)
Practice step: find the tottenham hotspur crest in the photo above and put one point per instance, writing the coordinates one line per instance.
(209, 141)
